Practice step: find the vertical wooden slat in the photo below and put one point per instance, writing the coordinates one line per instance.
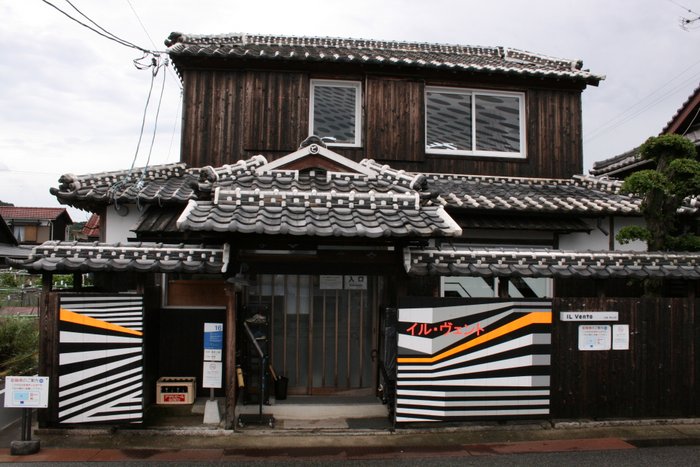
(362, 336)
(375, 329)
(48, 350)
(272, 319)
(349, 340)
(297, 336)
(284, 335)
(336, 363)
(323, 342)
(310, 340)
(230, 373)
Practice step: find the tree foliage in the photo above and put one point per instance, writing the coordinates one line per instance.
(676, 177)
(19, 345)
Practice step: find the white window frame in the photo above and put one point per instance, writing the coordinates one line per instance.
(357, 85)
(474, 152)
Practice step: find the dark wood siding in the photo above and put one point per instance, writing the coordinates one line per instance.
(394, 119)
(659, 376)
(229, 115)
(276, 111)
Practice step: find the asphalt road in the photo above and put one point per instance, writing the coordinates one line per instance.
(658, 456)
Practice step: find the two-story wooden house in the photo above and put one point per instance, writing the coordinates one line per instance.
(336, 193)
(34, 226)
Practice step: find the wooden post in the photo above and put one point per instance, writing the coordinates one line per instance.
(77, 281)
(503, 287)
(230, 350)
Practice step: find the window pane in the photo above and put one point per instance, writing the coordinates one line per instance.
(497, 123)
(449, 121)
(334, 113)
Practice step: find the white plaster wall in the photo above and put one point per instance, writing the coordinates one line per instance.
(637, 245)
(119, 227)
(596, 240)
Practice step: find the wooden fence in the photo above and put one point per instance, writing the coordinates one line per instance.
(658, 376)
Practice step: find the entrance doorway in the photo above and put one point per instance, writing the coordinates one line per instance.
(324, 331)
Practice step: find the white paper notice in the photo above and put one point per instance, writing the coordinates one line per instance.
(621, 337)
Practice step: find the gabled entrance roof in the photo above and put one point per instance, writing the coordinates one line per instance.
(316, 156)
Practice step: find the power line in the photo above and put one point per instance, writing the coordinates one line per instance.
(626, 118)
(143, 26)
(634, 110)
(106, 34)
(141, 23)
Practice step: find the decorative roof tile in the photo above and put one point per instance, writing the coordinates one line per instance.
(487, 262)
(578, 195)
(170, 183)
(414, 55)
(323, 214)
(56, 256)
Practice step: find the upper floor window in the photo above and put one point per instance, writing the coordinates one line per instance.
(472, 122)
(336, 111)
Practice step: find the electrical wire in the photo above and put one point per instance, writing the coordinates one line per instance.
(155, 125)
(120, 183)
(172, 136)
(143, 27)
(624, 118)
(141, 23)
(106, 34)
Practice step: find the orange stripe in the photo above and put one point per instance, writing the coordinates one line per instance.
(72, 317)
(535, 317)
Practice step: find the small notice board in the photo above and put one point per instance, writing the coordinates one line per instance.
(212, 369)
(27, 392)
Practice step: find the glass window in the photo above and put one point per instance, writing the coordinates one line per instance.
(335, 112)
(465, 122)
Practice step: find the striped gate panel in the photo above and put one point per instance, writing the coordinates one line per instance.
(462, 359)
(100, 359)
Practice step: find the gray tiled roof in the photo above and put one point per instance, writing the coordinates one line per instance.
(486, 262)
(171, 183)
(314, 213)
(464, 58)
(579, 195)
(55, 256)
(620, 164)
(176, 184)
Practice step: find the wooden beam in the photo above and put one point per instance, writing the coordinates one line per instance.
(230, 351)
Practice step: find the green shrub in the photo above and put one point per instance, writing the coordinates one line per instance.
(19, 345)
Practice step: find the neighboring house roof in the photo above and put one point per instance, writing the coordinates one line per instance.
(491, 60)
(6, 235)
(686, 115)
(686, 121)
(92, 227)
(29, 213)
(56, 256)
(487, 262)
(9, 252)
(621, 165)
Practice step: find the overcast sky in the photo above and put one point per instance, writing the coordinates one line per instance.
(72, 101)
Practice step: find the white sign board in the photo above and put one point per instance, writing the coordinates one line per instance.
(621, 337)
(589, 315)
(211, 377)
(27, 391)
(356, 282)
(594, 337)
(329, 282)
(213, 341)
